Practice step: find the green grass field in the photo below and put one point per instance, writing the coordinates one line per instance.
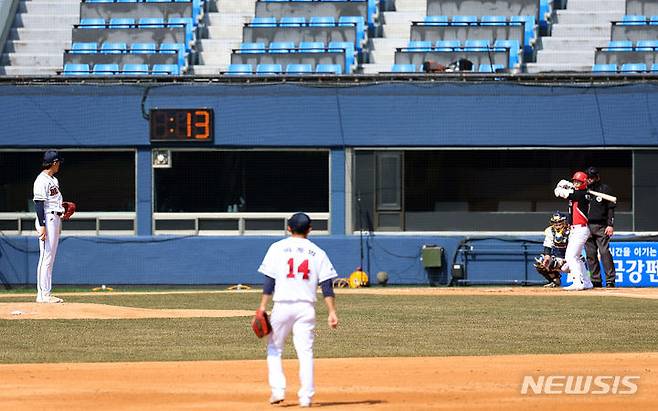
(370, 326)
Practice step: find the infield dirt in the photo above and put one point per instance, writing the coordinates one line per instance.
(436, 383)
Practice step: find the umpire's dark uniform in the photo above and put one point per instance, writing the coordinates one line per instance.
(601, 215)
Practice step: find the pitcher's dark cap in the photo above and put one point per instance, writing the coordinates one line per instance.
(299, 223)
(51, 156)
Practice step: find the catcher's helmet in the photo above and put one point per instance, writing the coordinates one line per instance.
(580, 176)
(558, 218)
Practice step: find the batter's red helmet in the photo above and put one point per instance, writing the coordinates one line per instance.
(580, 176)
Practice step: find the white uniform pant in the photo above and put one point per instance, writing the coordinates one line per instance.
(298, 317)
(47, 253)
(574, 256)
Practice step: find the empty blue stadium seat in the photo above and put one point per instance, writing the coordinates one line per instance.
(514, 49)
(654, 20)
(464, 20)
(188, 24)
(360, 27)
(151, 22)
(281, 47)
(84, 48)
(292, 21)
(529, 22)
(113, 48)
(448, 45)
(646, 45)
(92, 23)
(126, 1)
(328, 69)
(494, 20)
(634, 20)
(159, 1)
(436, 20)
(252, 48)
(604, 68)
(419, 45)
(71, 69)
(122, 23)
(299, 68)
(403, 68)
(165, 69)
(325, 21)
(620, 45)
(633, 68)
(100, 1)
(654, 67)
(175, 48)
(312, 46)
(264, 22)
(349, 53)
(239, 70)
(488, 68)
(106, 69)
(477, 45)
(268, 69)
(135, 69)
(143, 48)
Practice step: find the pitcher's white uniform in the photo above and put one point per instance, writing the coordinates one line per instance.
(46, 189)
(297, 265)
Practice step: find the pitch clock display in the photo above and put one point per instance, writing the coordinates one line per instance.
(193, 125)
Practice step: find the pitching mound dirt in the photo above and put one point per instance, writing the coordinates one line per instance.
(72, 311)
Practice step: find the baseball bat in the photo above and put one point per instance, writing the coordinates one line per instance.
(604, 196)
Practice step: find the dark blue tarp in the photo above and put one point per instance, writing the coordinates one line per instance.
(317, 115)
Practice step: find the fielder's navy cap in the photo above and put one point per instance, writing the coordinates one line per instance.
(592, 172)
(51, 156)
(299, 223)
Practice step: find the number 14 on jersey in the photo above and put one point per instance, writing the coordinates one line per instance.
(302, 268)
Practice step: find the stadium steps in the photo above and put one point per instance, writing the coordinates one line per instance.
(224, 28)
(40, 33)
(396, 29)
(579, 29)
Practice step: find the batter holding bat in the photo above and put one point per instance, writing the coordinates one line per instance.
(579, 199)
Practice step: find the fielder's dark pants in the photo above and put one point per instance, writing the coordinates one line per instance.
(601, 242)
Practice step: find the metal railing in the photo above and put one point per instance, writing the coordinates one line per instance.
(81, 223)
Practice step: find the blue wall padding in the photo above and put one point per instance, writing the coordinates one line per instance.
(384, 115)
(201, 260)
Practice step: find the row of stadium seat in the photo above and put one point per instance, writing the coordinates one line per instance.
(136, 1)
(634, 20)
(469, 45)
(411, 68)
(627, 45)
(268, 69)
(316, 21)
(529, 21)
(281, 47)
(126, 22)
(119, 48)
(113, 69)
(625, 68)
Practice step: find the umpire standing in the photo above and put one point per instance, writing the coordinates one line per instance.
(601, 223)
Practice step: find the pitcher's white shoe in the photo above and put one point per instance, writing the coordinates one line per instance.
(275, 399)
(574, 287)
(51, 299)
(305, 403)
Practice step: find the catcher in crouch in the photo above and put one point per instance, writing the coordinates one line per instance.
(552, 261)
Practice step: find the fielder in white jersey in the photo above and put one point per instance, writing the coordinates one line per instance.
(49, 209)
(293, 268)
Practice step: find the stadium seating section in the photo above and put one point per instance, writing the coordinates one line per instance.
(303, 37)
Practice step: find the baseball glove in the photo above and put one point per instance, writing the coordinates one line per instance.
(261, 324)
(69, 209)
